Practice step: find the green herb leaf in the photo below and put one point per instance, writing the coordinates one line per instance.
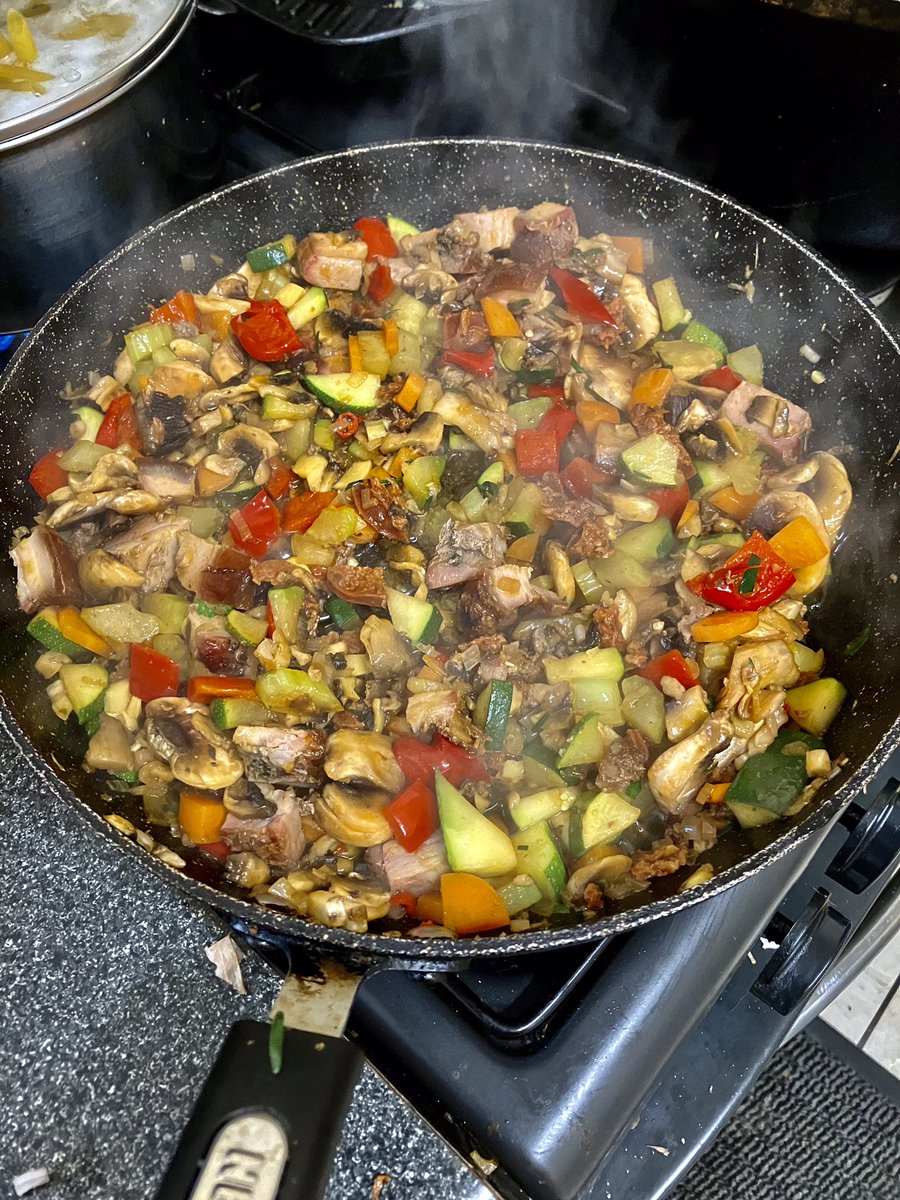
(276, 1043)
(858, 642)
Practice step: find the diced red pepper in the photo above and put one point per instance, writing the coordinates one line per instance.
(670, 500)
(219, 850)
(579, 299)
(418, 761)
(265, 332)
(300, 511)
(255, 526)
(377, 237)
(723, 378)
(381, 283)
(413, 815)
(182, 307)
(119, 425)
(537, 451)
(203, 688)
(404, 900)
(560, 422)
(752, 578)
(555, 391)
(581, 476)
(673, 664)
(345, 426)
(151, 674)
(47, 475)
(280, 478)
(475, 362)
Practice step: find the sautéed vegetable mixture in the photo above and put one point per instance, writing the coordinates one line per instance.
(445, 580)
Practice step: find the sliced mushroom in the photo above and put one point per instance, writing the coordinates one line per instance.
(162, 422)
(231, 306)
(365, 759)
(611, 378)
(110, 747)
(491, 432)
(426, 433)
(88, 504)
(101, 574)
(831, 491)
(190, 351)
(182, 734)
(353, 815)
(686, 713)
(679, 773)
(253, 445)
(754, 668)
(228, 362)
(166, 479)
(233, 286)
(773, 512)
(181, 378)
(789, 479)
(337, 911)
(219, 473)
(388, 652)
(693, 418)
(640, 311)
(602, 870)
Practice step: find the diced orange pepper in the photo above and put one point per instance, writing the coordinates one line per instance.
(713, 793)
(430, 907)
(652, 386)
(690, 510)
(408, 396)
(799, 544)
(73, 626)
(182, 307)
(391, 332)
(634, 248)
(404, 455)
(354, 353)
(203, 688)
(508, 459)
(592, 412)
(209, 482)
(216, 324)
(500, 321)
(733, 504)
(523, 549)
(470, 904)
(723, 626)
(201, 817)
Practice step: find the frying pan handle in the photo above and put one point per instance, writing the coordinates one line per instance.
(257, 1133)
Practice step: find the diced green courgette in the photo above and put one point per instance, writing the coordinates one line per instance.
(422, 478)
(809, 662)
(687, 359)
(696, 332)
(408, 312)
(285, 689)
(311, 304)
(518, 897)
(774, 779)
(815, 705)
(458, 443)
(671, 310)
(141, 341)
(248, 630)
(652, 460)
(540, 767)
(91, 419)
(598, 696)
(523, 507)
(205, 519)
(85, 684)
(416, 619)
(400, 228)
(272, 254)
(605, 818)
(323, 435)
(647, 542)
(373, 354)
(644, 708)
(344, 615)
(710, 475)
(229, 713)
(491, 479)
(43, 628)
(619, 570)
(492, 711)
(346, 391)
(587, 744)
(538, 856)
(528, 414)
(275, 408)
(600, 663)
(82, 456)
(540, 806)
(474, 504)
(748, 363)
(285, 604)
(170, 611)
(121, 622)
(472, 841)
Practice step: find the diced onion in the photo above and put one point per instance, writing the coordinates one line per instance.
(809, 354)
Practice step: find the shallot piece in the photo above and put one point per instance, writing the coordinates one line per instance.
(28, 1181)
(226, 955)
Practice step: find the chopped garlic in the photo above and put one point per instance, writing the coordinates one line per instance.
(817, 377)
(818, 764)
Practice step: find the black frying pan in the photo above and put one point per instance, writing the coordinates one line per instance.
(707, 242)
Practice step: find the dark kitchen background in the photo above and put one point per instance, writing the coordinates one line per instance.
(793, 109)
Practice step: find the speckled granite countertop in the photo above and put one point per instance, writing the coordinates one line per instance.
(110, 1017)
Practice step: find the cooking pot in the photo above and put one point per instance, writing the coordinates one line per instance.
(127, 131)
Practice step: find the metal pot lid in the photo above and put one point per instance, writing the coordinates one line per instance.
(90, 47)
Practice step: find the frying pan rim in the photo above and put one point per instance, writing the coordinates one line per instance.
(434, 950)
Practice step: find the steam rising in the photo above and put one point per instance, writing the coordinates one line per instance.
(507, 68)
